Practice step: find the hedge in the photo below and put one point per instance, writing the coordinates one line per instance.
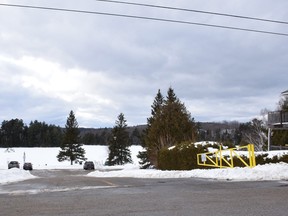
(184, 157)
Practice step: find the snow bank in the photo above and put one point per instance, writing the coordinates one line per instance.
(13, 175)
(261, 172)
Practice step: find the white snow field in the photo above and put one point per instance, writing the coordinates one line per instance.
(45, 158)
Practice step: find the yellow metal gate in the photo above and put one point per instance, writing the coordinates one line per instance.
(217, 159)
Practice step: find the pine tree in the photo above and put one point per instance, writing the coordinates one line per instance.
(178, 125)
(119, 152)
(13, 133)
(169, 125)
(71, 149)
(156, 107)
(144, 159)
(150, 142)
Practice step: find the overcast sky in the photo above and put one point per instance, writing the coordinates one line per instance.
(52, 62)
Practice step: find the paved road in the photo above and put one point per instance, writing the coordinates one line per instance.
(70, 192)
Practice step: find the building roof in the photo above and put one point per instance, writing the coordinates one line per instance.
(285, 92)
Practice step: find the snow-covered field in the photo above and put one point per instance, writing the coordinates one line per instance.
(45, 158)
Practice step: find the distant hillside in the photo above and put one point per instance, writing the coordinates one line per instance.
(212, 126)
(100, 136)
(219, 125)
(99, 131)
(212, 131)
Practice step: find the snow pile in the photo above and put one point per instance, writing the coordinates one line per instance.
(277, 171)
(261, 172)
(13, 175)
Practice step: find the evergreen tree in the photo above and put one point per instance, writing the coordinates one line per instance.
(55, 136)
(89, 139)
(71, 149)
(144, 159)
(13, 133)
(44, 135)
(156, 107)
(177, 122)
(103, 138)
(119, 152)
(135, 137)
(169, 125)
(35, 133)
(150, 142)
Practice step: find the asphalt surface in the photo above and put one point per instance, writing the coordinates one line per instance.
(70, 192)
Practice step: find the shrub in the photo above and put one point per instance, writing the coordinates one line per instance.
(238, 163)
(284, 158)
(261, 159)
(181, 157)
(264, 159)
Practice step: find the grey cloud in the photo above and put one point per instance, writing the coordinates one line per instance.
(223, 71)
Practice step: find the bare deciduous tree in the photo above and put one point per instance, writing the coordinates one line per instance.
(255, 134)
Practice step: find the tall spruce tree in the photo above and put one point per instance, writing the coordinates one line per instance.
(178, 124)
(119, 143)
(150, 142)
(71, 149)
(169, 125)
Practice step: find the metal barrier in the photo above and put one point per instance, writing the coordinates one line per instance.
(217, 159)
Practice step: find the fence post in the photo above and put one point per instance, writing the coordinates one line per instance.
(252, 161)
(269, 138)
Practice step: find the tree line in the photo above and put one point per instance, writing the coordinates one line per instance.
(15, 133)
(100, 136)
